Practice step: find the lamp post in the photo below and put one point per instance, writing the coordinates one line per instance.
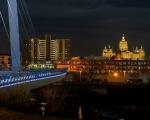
(80, 74)
(109, 76)
(80, 113)
(43, 108)
(124, 76)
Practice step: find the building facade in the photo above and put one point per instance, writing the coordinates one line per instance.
(124, 53)
(42, 51)
(5, 62)
(42, 45)
(60, 49)
(111, 70)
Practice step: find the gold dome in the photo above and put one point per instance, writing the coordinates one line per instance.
(123, 45)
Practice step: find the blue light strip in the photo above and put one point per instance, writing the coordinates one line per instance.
(32, 80)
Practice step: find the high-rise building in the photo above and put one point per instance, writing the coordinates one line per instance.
(30, 52)
(34, 50)
(48, 46)
(60, 49)
(41, 51)
(53, 52)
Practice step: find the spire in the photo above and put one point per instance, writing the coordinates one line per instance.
(136, 48)
(123, 37)
(109, 46)
(141, 47)
(133, 49)
(105, 47)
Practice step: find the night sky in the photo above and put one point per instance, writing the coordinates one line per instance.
(91, 24)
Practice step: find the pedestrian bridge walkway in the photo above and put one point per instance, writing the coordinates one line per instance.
(31, 78)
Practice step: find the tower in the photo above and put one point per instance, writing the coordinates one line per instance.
(108, 52)
(14, 34)
(123, 45)
(48, 44)
(141, 53)
(104, 51)
(60, 49)
(34, 50)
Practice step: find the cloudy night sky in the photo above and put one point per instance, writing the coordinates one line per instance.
(91, 24)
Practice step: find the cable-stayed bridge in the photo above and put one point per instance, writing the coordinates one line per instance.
(30, 78)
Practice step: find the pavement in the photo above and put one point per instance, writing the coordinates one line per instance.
(6, 114)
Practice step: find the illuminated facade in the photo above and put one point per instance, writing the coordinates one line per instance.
(124, 53)
(41, 51)
(108, 52)
(60, 49)
(110, 70)
(5, 62)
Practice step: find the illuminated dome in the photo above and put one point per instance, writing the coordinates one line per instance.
(123, 52)
(123, 45)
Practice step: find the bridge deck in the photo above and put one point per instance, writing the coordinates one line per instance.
(9, 78)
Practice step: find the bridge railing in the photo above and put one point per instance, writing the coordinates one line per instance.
(28, 76)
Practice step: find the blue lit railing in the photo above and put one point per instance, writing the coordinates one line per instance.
(12, 79)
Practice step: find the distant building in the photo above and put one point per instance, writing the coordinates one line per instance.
(110, 70)
(48, 46)
(40, 51)
(124, 53)
(5, 62)
(42, 45)
(60, 49)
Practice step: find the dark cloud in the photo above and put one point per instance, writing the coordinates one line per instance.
(92, 23)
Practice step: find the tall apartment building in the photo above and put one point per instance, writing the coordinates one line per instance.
(60, 49)
(41, 51)
(48, 46)
(30, 51)
(34, 50)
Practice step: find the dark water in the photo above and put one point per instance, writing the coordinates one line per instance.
(67, 100)
(120, 103)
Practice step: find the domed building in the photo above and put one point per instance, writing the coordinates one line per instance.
(124, 53)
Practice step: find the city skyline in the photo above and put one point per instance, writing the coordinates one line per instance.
(40, 79)
(91, 24)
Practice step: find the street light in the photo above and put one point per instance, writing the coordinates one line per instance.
(43, 108)
(80, 74)
(124, 76)
(116, 74)
(80, 113)
(109, 76)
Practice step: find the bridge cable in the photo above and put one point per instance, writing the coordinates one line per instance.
(26, 12)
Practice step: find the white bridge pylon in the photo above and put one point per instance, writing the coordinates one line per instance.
(14, 34)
